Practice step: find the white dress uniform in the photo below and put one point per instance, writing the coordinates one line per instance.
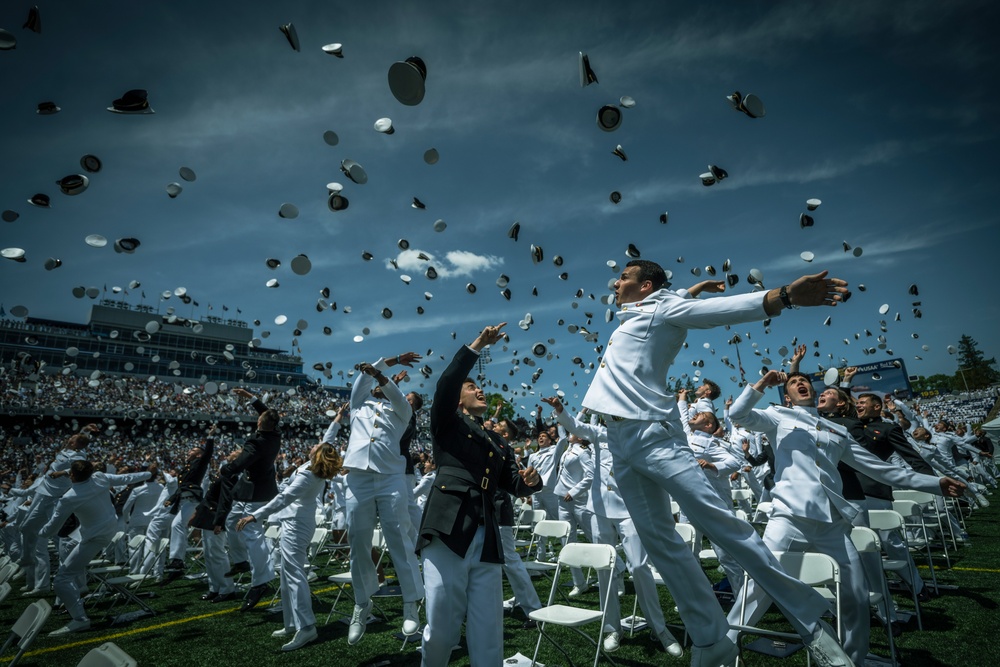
(653, 461)
(612, 522)
(809, 510)
(34, 554)
(545, 461)
(575, 478)
(295, 507)
(136, 511)
(376, 485)
(158, 527)
(708, 448)
(90, 501)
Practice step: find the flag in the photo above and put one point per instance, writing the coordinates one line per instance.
(144, 294)
(239, 311)
(210, 306)
(195, 304)
(225, 307)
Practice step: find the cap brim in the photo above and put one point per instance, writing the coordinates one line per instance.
(137, 112)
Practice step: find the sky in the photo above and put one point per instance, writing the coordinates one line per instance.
(884, 111)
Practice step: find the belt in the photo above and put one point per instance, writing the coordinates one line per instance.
(464, 474)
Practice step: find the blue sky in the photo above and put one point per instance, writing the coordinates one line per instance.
(885, 111)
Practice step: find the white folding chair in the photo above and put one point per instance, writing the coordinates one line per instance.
(891, 520)
(576, 554)
(543, 531)
(4, 591)
(526, 522)
(913, 518)
(107, 655)
(929, 503)
(127, 588)
(7, 571)
(865, 541)
(814, 569)
(26, 628)
(761, 512)
(342, 580)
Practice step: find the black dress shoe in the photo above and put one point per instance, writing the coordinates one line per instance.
(253, 596)
(237, 569)
(175, 564)
(529, 625)
(170, 576)
(225, 597)
(209, 596)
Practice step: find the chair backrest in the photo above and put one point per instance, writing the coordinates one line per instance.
(742, 494)
(674, 507)
(137, 541)
(551, 528)
(885, 520)
(865, 540)
(921, 497)
(582, 554)
(4, 591)
(378, 542)
(908, 508)
(810, 568)
(107, 655)
(687, 532)
(272, 531)
(6, 571)
(27, 626)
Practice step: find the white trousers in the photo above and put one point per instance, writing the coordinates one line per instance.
(293, 545)
(372, 495)
(517, 574)
(785, 533)
(249, 544)
(158, 528)
(575, 511)
(609, 531)
(652, 463)
(34, 551)
(73, 570)
(217, 562)
(179, 529)
(452, 582)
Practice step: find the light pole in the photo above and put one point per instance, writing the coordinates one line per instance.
(960, 370)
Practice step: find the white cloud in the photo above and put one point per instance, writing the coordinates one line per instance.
(454, 263)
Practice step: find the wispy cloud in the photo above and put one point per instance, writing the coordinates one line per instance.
(453, 264)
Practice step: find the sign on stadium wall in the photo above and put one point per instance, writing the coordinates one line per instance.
(880, 377)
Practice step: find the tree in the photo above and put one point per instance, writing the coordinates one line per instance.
(974, 370)
(492, 400)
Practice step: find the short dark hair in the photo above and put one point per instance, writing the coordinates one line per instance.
(512, 431)
(270, 419)
(715, 392)
(418, 400)
(80, 470)
(872, 397)
(793, 375)
(650, 271)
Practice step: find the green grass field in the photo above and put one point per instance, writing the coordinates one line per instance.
(961, 627)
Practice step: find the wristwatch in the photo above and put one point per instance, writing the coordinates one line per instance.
(786, 301)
